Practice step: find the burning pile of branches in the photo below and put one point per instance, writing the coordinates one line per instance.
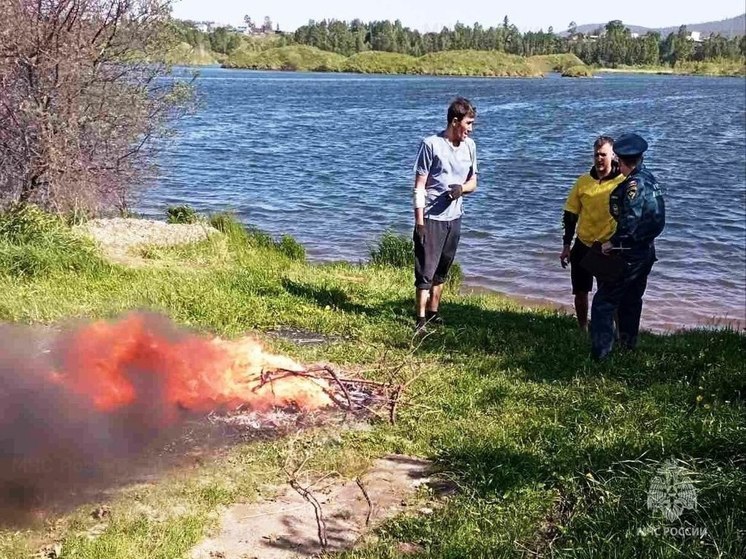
(352, 394)
(110, 390)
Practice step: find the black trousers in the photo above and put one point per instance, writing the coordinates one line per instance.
(623, 297)
(433, 259)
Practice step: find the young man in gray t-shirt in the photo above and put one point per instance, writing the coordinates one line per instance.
(445, 170)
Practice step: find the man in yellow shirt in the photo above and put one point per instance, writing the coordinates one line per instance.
(587, 209)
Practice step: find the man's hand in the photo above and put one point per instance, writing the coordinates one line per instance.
(456, 190)
(565, 256)
(419, 231)
(606, 248)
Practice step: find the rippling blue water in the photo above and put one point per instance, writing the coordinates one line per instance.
(328, 159)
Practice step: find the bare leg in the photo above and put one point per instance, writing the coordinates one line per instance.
(421, 301)
(581, 310)
(435, 293)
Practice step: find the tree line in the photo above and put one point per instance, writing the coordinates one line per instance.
(611, 45)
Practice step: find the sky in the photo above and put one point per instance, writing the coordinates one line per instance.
(432, 15)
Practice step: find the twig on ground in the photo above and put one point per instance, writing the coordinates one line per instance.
(342, 386)
(320, 522)
(367, 498)
(394, 402)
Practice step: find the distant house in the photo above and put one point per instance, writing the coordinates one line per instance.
(205, 26)
(695, 36)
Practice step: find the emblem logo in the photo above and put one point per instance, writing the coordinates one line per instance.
(671, 492)
(632, 190)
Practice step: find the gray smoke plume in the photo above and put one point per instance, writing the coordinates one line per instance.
(51, 439)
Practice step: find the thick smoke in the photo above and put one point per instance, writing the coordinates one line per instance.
(52, 438)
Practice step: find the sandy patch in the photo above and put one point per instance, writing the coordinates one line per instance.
(285, 527)
(119, 238)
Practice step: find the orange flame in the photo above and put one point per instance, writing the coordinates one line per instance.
(129, 362)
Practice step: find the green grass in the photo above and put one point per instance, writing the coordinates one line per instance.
(181, 214)
(713, 68)
(296, 58)
(476, 63)
(725, 67)
(375, 62)
(553, 453)
(446, 63)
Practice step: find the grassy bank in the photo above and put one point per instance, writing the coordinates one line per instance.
(727, 68)
(553, 454)
(446, 63)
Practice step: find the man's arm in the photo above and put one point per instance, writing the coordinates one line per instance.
(419, 213)
(458, 190)
(569, 223)
(631, 214)
(471, 181)
(470, 185)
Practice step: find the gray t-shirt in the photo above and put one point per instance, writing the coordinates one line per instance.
(445, 164)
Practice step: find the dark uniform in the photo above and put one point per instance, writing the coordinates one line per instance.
(638, 207)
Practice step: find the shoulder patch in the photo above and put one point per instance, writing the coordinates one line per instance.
(632, 189)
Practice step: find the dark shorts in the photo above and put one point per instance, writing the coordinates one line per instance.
(433, 259)
(582, 279)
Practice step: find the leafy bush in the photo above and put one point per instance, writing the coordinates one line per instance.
(181, 214)
(291, 248)
(34, 243)
(393, 250)
(581, 71)
(397, 251)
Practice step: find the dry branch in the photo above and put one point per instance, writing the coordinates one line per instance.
(367, 498)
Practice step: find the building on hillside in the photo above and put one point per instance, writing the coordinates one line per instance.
(695, 36)
(205, 26)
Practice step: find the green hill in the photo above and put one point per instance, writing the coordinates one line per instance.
(296, 57)
(376, 62)
(446, 63)
(476, 63)
(555, 62)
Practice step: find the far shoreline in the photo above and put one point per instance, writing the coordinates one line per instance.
(596, 71)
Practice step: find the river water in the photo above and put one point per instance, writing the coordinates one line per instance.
(328, 159)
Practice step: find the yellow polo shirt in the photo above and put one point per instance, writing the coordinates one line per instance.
(589, 199)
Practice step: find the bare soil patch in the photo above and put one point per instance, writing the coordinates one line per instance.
(289, 526)
(119, 238)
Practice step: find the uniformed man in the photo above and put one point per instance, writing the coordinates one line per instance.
(638, 208)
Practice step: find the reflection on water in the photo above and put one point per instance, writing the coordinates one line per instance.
(328, 159)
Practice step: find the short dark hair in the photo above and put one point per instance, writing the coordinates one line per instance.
(461, 107)
(631, 162)
(602, 141)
